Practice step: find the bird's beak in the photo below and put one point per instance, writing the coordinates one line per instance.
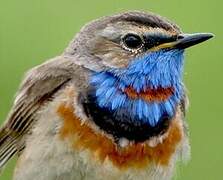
(187, 40)
(184, 41)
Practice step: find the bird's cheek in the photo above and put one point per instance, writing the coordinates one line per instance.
(116, 60)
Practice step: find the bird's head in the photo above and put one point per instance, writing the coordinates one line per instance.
(137, 63)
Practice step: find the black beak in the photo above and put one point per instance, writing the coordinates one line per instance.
(187, 40)
(181, 41)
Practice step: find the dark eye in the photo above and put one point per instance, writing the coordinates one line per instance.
(132, 41)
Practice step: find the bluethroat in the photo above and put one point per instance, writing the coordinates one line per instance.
(112, 106)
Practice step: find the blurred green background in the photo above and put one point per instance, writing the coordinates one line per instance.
(33, 31)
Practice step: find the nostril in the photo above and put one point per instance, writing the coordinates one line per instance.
(180, 36)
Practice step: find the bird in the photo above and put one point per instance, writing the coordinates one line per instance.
(111, 106)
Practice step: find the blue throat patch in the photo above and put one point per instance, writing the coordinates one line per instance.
(153, 70)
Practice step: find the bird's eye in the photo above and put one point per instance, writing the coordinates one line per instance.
(132, 41)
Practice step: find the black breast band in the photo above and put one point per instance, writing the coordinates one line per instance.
(121, 125)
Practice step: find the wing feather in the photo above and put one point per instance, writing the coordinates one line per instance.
(38, 88)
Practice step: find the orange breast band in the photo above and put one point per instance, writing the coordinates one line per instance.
(137, 155)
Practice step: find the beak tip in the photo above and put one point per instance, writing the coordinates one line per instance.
(209, 35)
